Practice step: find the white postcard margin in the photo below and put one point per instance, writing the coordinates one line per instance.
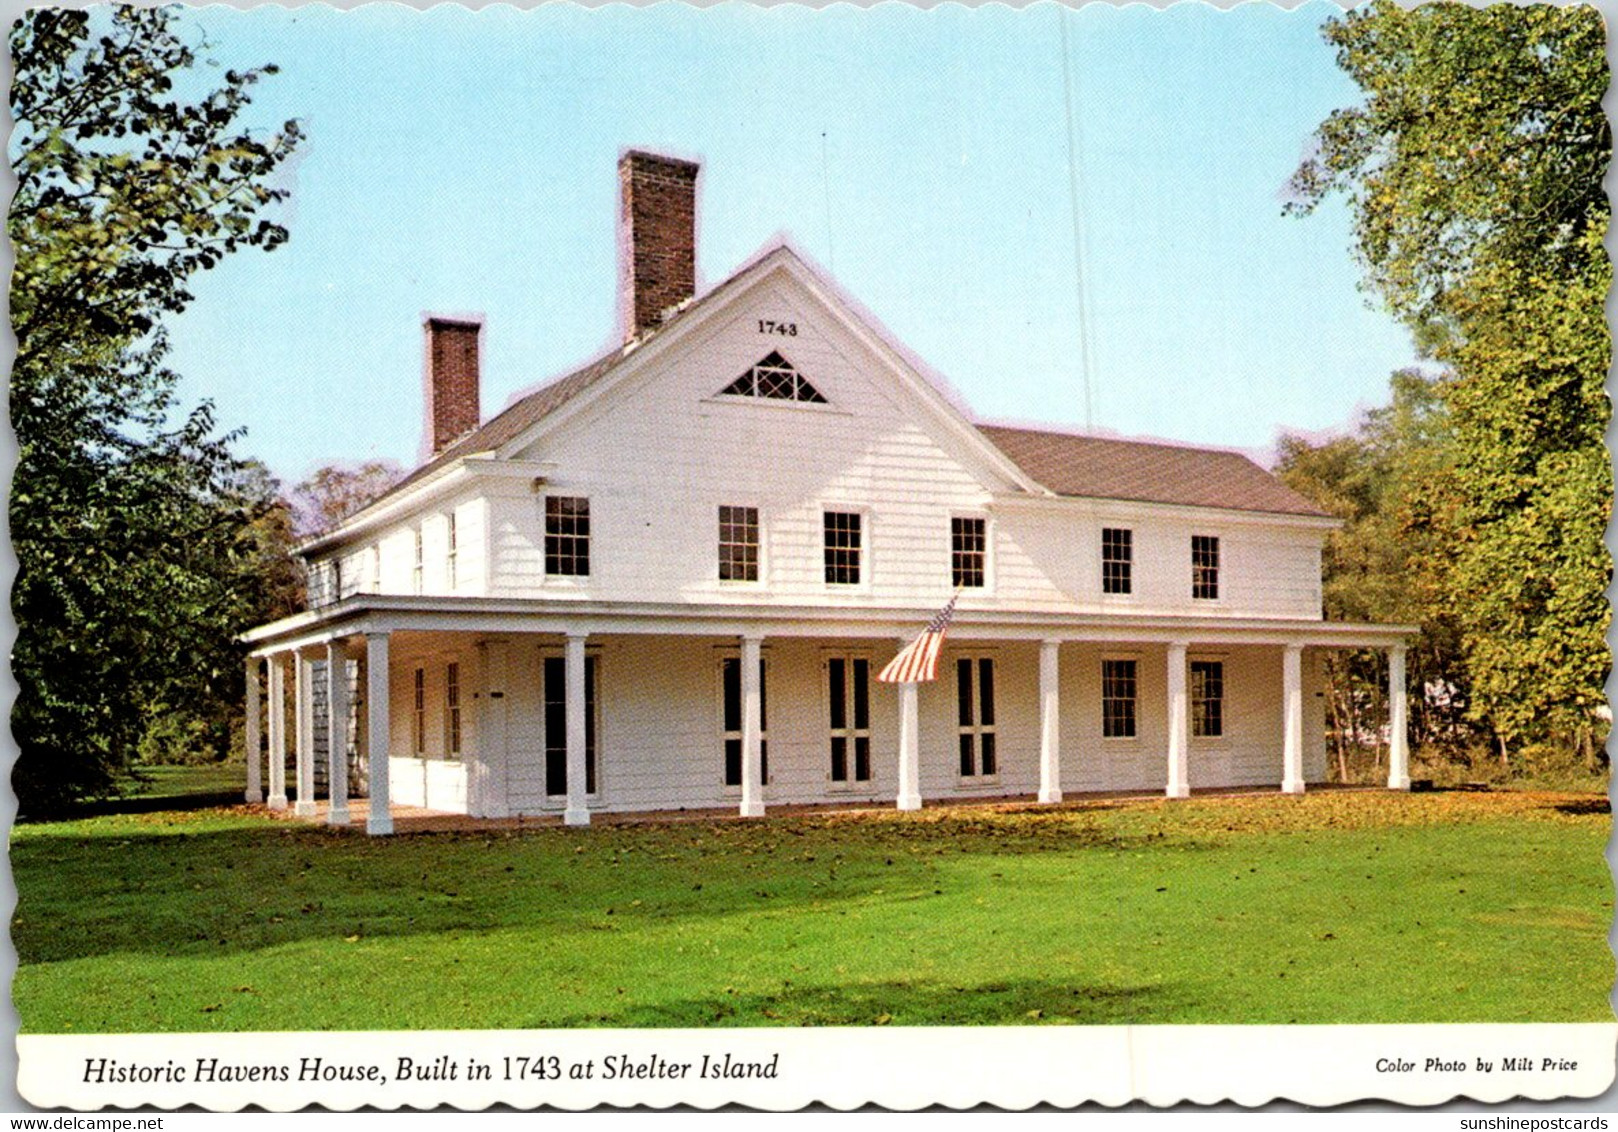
(784, 1070)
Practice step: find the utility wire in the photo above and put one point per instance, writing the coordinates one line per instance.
(1080, 251)
(825, 182)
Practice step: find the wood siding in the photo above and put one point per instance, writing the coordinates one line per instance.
(386, 564)
(662, 452)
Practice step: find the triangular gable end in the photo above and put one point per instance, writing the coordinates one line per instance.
(773, 378)
(781, 262)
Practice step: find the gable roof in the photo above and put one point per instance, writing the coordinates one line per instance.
(531, 408)
(1063, 463)
(511, 421)
(1102, 468)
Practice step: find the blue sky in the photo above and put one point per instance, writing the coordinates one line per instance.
(465, 161)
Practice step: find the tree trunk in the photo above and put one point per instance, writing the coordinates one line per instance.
(1378, 711)
(1336, 672)
(1337, 733)
(1355, 730)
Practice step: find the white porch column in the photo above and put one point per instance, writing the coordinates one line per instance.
(304, 680)
(1398, 722)
(1292, 716)
(378, 817)
(278, 733)
(578, 808)
(1050, 723)
(752, 759)
(1179, 785)
(255, 757)
(337, 733)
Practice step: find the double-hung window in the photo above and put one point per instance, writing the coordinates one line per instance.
(1117, 560)
(730, 681)
(968, 552)
(844, 547)
(738, 544)
(418, 719)
(452, 710)
(567, 536)
(1205, 567)
(553, 679)
(975, 727)
(848, 698)
(1118, 699)
(415, 577)
(1207, 698)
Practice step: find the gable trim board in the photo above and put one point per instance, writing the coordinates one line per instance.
(648, 436)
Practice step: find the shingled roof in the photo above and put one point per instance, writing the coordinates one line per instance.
(1101, 468)
(511, 421)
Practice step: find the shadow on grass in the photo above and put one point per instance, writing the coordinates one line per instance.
(1003, 1003)
(151, 804)
(1584, 807)
(128, 887)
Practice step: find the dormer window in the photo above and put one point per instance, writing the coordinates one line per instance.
(774, 379)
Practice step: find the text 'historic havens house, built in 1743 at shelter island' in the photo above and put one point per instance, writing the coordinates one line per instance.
(669, 579)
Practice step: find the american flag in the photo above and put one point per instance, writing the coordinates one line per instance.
(918, 660)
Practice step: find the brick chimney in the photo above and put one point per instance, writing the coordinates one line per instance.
(657, 238)
(451, 380)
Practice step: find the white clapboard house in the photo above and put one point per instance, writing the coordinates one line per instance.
(668, 581)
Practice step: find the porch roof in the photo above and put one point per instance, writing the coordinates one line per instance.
(373, 613)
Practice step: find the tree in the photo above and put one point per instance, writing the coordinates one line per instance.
(1392, 484)
(129, 519)
(1473, 170)
(273, 538)
(336, 491)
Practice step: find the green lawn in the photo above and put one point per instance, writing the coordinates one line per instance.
(227, 777)
(1334, 907)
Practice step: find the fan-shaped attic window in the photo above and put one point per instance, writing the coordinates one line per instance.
(774, 379)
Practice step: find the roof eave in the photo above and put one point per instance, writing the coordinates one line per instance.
(460, 473)
(1238, 514)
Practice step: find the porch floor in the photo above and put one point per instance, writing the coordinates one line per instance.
(413, 819)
